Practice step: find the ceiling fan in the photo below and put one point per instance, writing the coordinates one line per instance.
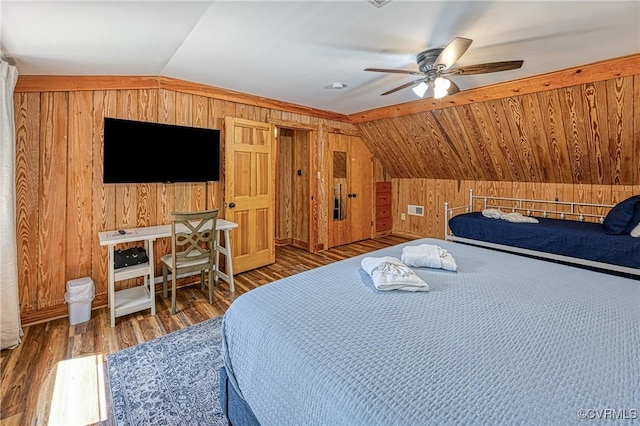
(435, 65)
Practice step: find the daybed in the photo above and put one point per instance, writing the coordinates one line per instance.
(605, 244)
(506, 339)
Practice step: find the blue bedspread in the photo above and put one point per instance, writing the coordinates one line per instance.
(584, 240)
(505, 340)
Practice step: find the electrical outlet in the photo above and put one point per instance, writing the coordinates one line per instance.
(403, 216)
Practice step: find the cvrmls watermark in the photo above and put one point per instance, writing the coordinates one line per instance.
(608, 414)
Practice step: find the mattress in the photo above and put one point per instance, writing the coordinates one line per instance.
(505, 340)
(584, 240)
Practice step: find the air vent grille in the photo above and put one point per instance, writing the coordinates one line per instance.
(379, 3)
(415, 210)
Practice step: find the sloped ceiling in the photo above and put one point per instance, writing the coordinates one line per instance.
(587, 133)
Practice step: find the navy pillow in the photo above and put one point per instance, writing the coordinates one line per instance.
(635, 219)
(619, 218)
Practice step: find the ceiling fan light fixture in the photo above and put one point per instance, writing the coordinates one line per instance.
(420, 89)
(441, 87)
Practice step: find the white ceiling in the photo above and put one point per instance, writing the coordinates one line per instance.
(291, 50)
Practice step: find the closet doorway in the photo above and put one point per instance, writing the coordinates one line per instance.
(350, 167)
(295, 188)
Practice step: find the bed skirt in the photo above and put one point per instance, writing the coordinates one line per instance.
(233, 406)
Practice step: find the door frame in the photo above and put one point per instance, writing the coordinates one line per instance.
(312, 181)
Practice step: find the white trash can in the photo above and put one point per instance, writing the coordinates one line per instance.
(79, 295)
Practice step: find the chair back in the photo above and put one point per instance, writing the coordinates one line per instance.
(193, 236)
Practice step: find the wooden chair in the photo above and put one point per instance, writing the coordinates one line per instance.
(194, 242)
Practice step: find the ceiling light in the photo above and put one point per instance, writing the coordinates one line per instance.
(440, 87)
(336, 86)
(420, 89)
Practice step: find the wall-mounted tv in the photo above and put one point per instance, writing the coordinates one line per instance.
(143, 152)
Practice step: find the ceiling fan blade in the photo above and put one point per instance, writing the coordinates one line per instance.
(450, 54)
(404, 86)
(393, 71)
(486, 68)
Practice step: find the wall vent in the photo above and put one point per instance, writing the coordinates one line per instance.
(415, 210)
(379, 3)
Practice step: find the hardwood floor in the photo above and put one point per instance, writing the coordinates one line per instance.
(41, 377)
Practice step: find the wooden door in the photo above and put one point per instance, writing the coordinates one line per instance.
(350, 193)
(339, 215)
(249, 192)
(361, 187)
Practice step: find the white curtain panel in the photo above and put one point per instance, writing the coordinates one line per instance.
(10, 329)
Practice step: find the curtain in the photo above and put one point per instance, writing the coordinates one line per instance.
(10, 329)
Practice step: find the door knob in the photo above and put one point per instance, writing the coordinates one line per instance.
(232, 205)
(354, 195)
(350, 195)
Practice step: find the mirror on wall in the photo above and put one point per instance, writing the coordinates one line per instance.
(339, 185)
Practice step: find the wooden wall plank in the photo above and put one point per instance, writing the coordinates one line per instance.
(146, 193)
(27, 124)
(534, 127)
(300, 210)
(621, 130)
(79, 186)
(516, 123)
(596, 130)
(284, 188)
(635, 145)
(52, 209)
(558, 147)
(104, 196)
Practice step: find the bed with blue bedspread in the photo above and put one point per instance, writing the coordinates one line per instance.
(506, 339)
(573, 236)
(583, 240)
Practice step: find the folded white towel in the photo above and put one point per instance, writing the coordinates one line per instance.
(516, 217)
(448, 262)
(492, 213)
(422, 256)
(389, 273)
(428, 256)
(513, 217)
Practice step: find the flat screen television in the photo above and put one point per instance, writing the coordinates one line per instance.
(143, 152)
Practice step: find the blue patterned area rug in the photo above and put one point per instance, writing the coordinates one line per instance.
(171, 380)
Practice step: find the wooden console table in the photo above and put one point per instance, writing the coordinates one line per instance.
(138, 298)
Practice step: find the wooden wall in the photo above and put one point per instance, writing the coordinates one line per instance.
(292, 191)
(580, 126)
(433, 193)
(61, 201)
(574, 134)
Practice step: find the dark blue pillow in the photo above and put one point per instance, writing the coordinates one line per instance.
(635, 219)
(619, 218)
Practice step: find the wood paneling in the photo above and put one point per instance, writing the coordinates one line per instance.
(610, 69)
(575, 133)
(61, 201)
(581, 134)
